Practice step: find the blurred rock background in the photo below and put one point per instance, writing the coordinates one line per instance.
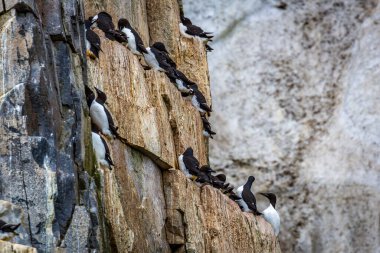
(296, 99)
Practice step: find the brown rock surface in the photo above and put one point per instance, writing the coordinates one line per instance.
(7, 247)
(47, 166)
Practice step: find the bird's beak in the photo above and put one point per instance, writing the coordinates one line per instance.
(264, 194)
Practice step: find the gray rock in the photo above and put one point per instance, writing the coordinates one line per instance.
(295, 100)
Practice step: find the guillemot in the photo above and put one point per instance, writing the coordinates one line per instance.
(7, 227)
(248, 200)
(100, 115)
(199, 101)
(135, 43)
(188, 30)
(270, 214)
(92, 41)
(207, 132)
(100, 147)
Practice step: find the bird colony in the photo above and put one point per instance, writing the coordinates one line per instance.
(157, 58)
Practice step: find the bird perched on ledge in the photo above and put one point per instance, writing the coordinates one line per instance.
(207, 132)
(100, 115)
(189, 164)
(188, 30)
(101, 149)
(248, 201)
(8, 228)
(270, 214)
(199, 101)
(92, 41)
(156, 59)
(104, 22)
(135, 43)
(181, 81)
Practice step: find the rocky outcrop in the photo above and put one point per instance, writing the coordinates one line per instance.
(299, 109)
(49, 179)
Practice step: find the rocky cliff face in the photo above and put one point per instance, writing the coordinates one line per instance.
(296, 97)
(49, 179)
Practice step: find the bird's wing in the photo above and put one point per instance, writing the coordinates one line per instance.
(112, 126)
(139, 41)
(161, 58)
(10, 227)
(250, 199)
(170, 61)
(183, 77)
(194, 30)
(93, 38)
(192, 164)
(108, 156)
(2, 223)
(202, 101)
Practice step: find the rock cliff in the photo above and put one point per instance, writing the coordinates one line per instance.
(295, 88)
(49, 179)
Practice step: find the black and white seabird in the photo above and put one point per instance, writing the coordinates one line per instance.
(101, 149)
(270, 214)
(8, 228)
(207, 127)
(181, 81)
(222, 177)
(92, 41)
(156, 59)
(189, 164)
(248, 201)
(161, 47)
(104, 22)
(188, 30)
(135, 43)
(199, 101)
(100, 115)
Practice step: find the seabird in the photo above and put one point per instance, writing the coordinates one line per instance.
(8, 228)
(181, 81)
(188, 30)
(248, 201)
(189, 164)
(101, 149)
(156, 59)
(104, 22)
(161, 47)
(100, 115)
(135, 43)
(222, 177)
(207, 127)
(92, 41)
(205, 174)
(270, 214)
(199, 101)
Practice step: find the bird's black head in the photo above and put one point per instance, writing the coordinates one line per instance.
(250, 180)
(272, 198)
(207, 169)
(221, 177)
(160, 46)
(90, 95)
(188, 152)
(186, 21)
(95, 128)
(102, 97)
(104, 15)
(123, 23)
(193, 86)
(87, 24)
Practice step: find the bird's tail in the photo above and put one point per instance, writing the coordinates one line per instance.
(208, 48)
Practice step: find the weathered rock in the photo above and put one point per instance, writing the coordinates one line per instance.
(11, 214)
(7, 247)
(47, 166)
(205, 220)
(296, 104)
